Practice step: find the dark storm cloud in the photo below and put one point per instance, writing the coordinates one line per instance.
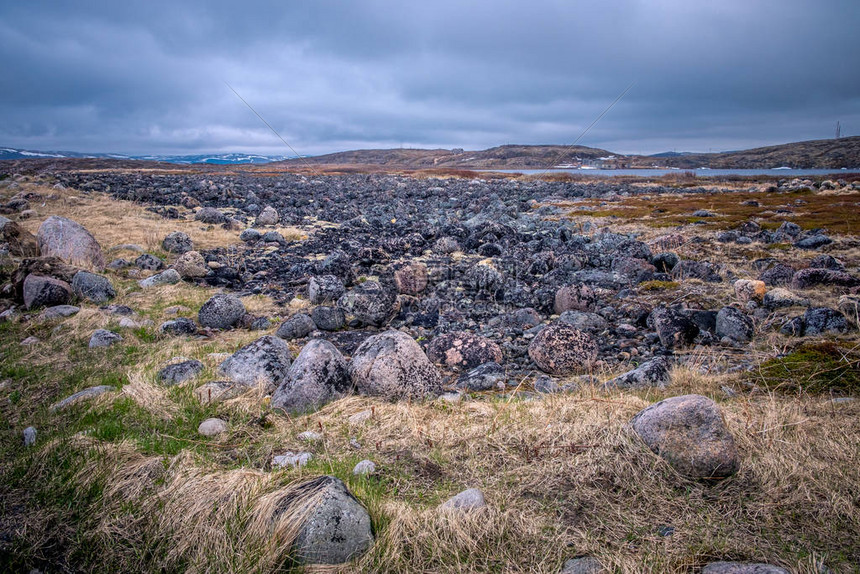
(149, 77)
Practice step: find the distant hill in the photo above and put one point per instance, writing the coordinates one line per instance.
(823, 154)
(814, 154)
(501, 157)
(219, 159)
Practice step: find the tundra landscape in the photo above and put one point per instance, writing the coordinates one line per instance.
(236, 369)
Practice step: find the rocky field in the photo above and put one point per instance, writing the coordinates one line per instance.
(240, 371)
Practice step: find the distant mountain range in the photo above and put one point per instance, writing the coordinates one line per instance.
(219, 159)
(814, 154)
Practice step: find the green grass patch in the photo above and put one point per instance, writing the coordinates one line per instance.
(813, 368)
(659, 285)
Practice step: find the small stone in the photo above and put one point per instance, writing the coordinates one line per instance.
(180, 372)
(582, 565)
(221, 311)
(31, 340)
(103, 338)
(29, 436)
(466, 501)
(360, 417)
(292, 460)
(364, 467)
(212, 427)
(85, 394)
(177, 242)
(191, 265)
(269, 216)
(179, 326)
(60, 311)
(310, 436)
(742, 568)
(167, 277)
(149, 262)
(298, 326)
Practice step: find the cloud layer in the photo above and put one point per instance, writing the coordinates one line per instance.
(150, 77)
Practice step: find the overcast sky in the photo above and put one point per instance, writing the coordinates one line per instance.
(149, 77)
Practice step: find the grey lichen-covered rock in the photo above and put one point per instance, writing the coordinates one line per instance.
(221, 311)
(577, 297)
(392, 365)
(690, 434)
(813, 242)
(411, 279)
(560, 349)
(482, 378)
(673, 327)
(191, 265)
(177, 242)
(584, 321)
(824, 321)
(298, 326)
(319, 375)
(653, 373)
(370, 303)
(583, 565)
(466, 501)
(42, 291)
(463, 351)
(779, 298)
(95, 288)
(178, 326)
(702, 270)
(103, 338)
(742, 568)
(149, 262)
(328, 318)
(167, 277)
(337, 528)
(812, 277)
(364, 467)
(269, 216)
(732, 323)
(71, 242)
(264, 361)
(176, 373)
(60, 311)
(88, 393)
(292, 460)
(325, 289)
(209, 215)
(212, 427)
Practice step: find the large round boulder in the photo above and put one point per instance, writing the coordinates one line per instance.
(560, 349)
(95, 288)
(463, 351)
(335, 526)
(71, 242)
(264, 361)
(42, 291)
(318, 375)
(392, 365)
(370, 304)
(210, 215)
(269, 216)
(191, 265)
(221, 311)
(690, 434)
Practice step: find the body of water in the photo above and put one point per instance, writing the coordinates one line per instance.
(700, 172)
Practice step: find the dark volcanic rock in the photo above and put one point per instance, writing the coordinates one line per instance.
(824, 321)
(813, 242)
(41, 291)
(177, 242)
(298, 326)
(653, 373)
(369, 303)
(325, 289)
(673, 327)
(686, 269)
(732, 323)
(463, 351)
(179, 326)
(560, 349)
(95, 288)
(807, 278)
(578, 297)
(149, 262)
(180, 372)
(482, 378)
(209, 215)
(778, 275)
(328, 318)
